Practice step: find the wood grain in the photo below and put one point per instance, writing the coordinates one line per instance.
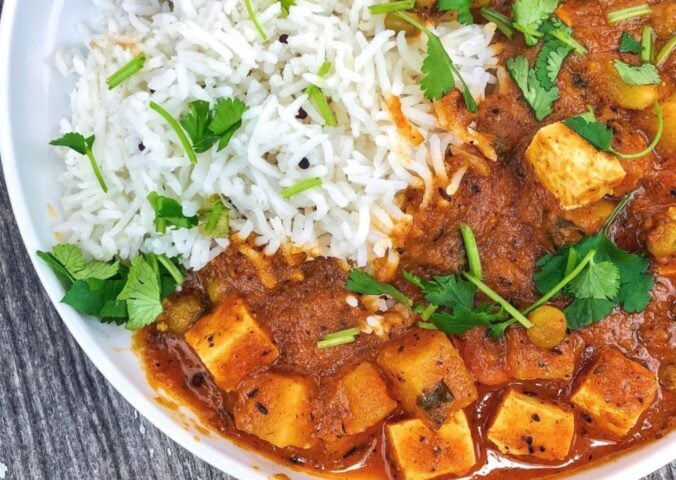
(59, 418)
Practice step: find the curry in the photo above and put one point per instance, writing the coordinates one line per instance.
(239, 343)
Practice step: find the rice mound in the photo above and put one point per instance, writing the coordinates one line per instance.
(208, 49)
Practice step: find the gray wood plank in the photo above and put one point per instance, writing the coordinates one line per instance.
(59, 418)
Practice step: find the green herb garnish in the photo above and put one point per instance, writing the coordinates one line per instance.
(665, 51)
(645, 74)
(540, 98)
(286, 5)
(390, 7)
(110, 290)
(206, 126)
(252, 16)
(341, 337)
(134, 66)
(472, 251)
(177, 129)
(629, 13)
(319, 100)
(364, 284)
(301, 187)
(565, 37)
(503, 23)
(168, 212)
(462, 7)
(528, 16)
(647, 44)
(629, 44)
(83, 146)
(601, 136)
(214, 218)
(438, 70)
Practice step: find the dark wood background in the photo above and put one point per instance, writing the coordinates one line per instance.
(59, 418)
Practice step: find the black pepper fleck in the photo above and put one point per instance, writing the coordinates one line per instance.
(304, 163)
(284, 38)
(252, 393)
(302, 114)
(141, 147)
(261, 408)
(197, 380)
(535, 417)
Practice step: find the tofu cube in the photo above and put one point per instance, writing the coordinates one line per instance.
(615, 392)
(527, 361)
(359, 402)
(528, 425)
(428, 375)
(231, 344)
(276, 408)
(421, 454)
(572, 168)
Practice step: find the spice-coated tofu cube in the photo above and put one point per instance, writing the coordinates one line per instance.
(528, 425)
(276, 408)
(428, 375)
(572, 168)
(615, 392)
(421, 454)
(231, 344)
(527, 361)
(359, 402)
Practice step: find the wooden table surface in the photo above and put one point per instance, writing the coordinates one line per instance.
(59, 418)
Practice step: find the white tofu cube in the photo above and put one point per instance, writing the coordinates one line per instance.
(420, 453)
(616, 392)
(528, 425)
(571, 168)
(231, 344)
(276, 408)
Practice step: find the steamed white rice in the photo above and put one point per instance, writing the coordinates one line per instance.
(208, 49)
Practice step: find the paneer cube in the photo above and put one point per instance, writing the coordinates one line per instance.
(276, 408)
(572, 168)
(527, 361)
(359, 402)
(231, 344)
(615, 392)
(528, 425)
(421, 454)
(428, 375)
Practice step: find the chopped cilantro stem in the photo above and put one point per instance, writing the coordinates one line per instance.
(171, 269)
(629, 13)
(254, 20)
(565, 281)
(428, 311)
(340, 337)
(131, 68)
(527, 31)
(616, 212)
(391, 7)
(665, 51)
(427, 326)
(319, 100)
(177, 129)
(653, 144)
(503, 23)
(214, 217)
(472, 251)
(647, 44)
(301, 187)
(568, 40)
(490, 293)
(571, 261)
(412, 21)
(97, 171)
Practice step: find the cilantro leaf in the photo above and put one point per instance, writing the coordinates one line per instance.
(598, 280)
(448, 291)
(437, 71)
(83, 146)
(646, 74)
(460, 6)
(629, 44)
(227, 118)
(363, 283)
(196, 123)
(540, 98)
(459, 321)
(528, 15)
(596, 133)
(168, 212)
(83, 298)
(68, 260)
(98, 270)
(214, 218)
(142, 294)
(585, 311)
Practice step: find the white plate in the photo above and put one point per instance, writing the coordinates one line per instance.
(33, 97)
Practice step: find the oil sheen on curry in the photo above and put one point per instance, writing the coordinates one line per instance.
(521, 327)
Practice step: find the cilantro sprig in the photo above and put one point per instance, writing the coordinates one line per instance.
(169, 213)
(439, 72)
(252, 16)
(112, 291)
(83, 146)
(528, 16)
(646, 74)
(610, 278)
(502, 22)
(601, 136)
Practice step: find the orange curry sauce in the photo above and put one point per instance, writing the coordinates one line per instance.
(516, 221)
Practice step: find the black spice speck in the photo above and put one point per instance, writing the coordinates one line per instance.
(304, 163)
(284, 38)
(302, 114)
(197, 380)
(261, 408)
(141, 147)
(535, 417)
